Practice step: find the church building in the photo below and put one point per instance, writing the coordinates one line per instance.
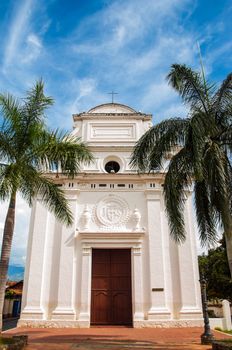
(117, 264)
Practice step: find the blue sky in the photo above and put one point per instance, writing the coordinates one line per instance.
(85, 48)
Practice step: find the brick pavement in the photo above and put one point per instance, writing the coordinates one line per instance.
(113, 338)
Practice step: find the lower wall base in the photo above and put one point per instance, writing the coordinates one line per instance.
(169, 323)
(52, 324)
(86, 324)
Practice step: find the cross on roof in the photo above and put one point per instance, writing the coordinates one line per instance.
(112, 93)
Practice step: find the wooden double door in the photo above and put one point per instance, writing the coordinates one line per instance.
(111, 302)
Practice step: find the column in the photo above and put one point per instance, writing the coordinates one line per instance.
(31, 308)
(65, 309)
(84, 315)
(188, 267)
(137, 285)
(158, 308)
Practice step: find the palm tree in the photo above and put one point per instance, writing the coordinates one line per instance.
(28, 151)
(202, 146)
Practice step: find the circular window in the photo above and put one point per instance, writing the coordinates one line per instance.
(112, 167)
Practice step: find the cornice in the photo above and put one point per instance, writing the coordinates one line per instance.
(109, 178)
(106, 148)
(111, 116)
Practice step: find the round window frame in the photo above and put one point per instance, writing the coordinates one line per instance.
(115, 165)
(112, 158)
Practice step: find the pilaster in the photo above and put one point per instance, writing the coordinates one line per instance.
(188, 267)
(137, 283)
(84, 315)
(65, 306)
(158, 303)
(32, 308)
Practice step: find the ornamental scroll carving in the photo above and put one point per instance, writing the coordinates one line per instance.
(112, 212)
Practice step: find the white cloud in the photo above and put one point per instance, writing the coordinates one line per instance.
(125, 59)
(18, 27)
(215, 55)
(32, 39)
(32, 49)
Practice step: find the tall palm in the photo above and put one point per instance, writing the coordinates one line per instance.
(202, 146)
(28, 151)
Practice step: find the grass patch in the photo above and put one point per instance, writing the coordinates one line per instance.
(226, 341)
(223, 330)
(4, 341)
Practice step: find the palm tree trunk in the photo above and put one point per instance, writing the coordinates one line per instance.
(228, 237)
(6, 249)
(227, 225)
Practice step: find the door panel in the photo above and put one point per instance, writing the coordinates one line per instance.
(111, 287)
(101, 306)
(120, 302)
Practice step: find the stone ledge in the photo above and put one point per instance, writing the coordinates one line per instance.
(49, 324)
(85, 324)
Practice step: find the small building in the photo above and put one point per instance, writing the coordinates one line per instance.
(117, 264)
(13, 298)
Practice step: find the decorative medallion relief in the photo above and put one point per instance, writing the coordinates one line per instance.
(112, 212)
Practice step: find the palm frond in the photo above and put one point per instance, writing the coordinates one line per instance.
(53, 150)
(202, 126)
(205, 214)
(9, 180)
(7, 149)
(222, 102)
(11, 113)
(177, 181)
(36, 103)
(215, 171)
(225, 140)
(190, 86)
(34, 183)
(153, 146)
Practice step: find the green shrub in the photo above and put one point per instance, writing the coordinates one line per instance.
(4, 341)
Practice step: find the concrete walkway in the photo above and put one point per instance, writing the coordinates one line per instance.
(9, 323)
(114, 338)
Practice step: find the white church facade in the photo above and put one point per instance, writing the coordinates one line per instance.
(117, 264)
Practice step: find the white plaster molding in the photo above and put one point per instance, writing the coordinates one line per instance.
(86, 250)
(190, 312)
(137, 250)
(113, 239)
(112, 157)
(63, 313)
(153, 195)
(160, 313)
(71, 194)
(32, 313)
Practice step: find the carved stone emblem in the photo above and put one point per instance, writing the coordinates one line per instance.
(112, 211)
